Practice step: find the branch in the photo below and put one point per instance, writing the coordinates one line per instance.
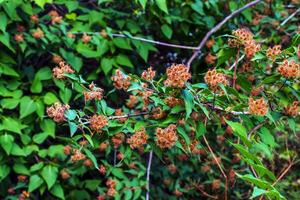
(143, 40)
(253, 130)
(148, 174)
(217, 27)
(128, 115)
(235, 68)
(290, 17)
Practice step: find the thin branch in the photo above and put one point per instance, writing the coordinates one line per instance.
(205, 193)
(219, 165)
(235, 68)
(289, 18)
(128, 115)
(143, 40)
(148, 174)
(283, 173)
(235, 63)
(216, 28)
(258, 126)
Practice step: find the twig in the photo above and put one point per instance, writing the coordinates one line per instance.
(148, 174)
(290, 17)
(235, 63)
(206, 194)
(258, 126)
(143, 40)
(235, 68)
(128, 115)
(115, 156)
(219, 165)
(216, 28)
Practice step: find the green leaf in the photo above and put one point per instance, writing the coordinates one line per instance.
(44, 74)
(88, 137)
(36, 86)
(50, 98)
(183, 134)
(58, 191)
(188, 101)
(106, 65)
(122, 43)
(200, 129)
(12, 125)
(239, 130)
(49, 174)
(143, 3)
(21, 169)
(167, 31)
(27, 106)
(124, 60)
(42, 3)
(3, 20)
(92, 157)
(117, 172)
(48, 126)
(4, 39)
(9, 103)
(17, 150)
(65, 95)
(73, 128)
(6, 142)
(198, 7)
(4, 171)
(162, 4)
(70, 114)
(4, 69)
(34, 182)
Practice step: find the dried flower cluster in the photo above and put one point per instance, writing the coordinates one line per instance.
(95, 93)
(60, 70)
(213, 79)
(102, 169)
(172, 101)
(158, 113)
(251, 47)
(210, 43)
(293, 109)
(210, 59)
(131, 101)
(118, 139)
(111, 184)
(289, 69)
(166, 138)
(34, 19)
(177, 75)
(77, 155)
(120, 80)
(138, 139)
(148, 74)
(57, 112)
(38, 33)
(97, 122)
(258, 107)
(19, 37)
(274, 51)
(86, 38)
(24, 195)
(57, 59)
(55, 18)
(64, 174)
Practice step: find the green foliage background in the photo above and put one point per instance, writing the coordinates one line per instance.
(32, 144)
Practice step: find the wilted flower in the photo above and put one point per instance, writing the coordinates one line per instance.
(148, 74)
(138, 139)
(172, 101)
(118, 139)
(19, 37)
(77, 156)
(57, 112)
(166, 138)
(289, 69)
(121, 81)
(38, 33)
(34, 19)
(293, 109)
(210, 59)
(131, 101)
(273, 52)
(213, 79)
(177, 75)
(258, 107)
(86, 38)
(62, 69)
(97, 122)
(95, 93)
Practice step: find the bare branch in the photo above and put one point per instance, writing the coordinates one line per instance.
(216, 28)
(128, 115)
(148, 174)
(289, 17)
(253, 130)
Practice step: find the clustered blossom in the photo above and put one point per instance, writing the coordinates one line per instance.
(57, 59)
(55, 18)
(119, 112)
(97, 122)
(210, 59)
(289, 69)
(138, 139)
(118, 139)
(244, 37)
(24, 195)
(77, 156)
(158, 113)
(213, 79)
(95, 93)
(292, 110)
(258, 107)
(166, 138)
(64, 174)
(257, 90)
(60, 70)
(19, 37)
(273, 52)
(86, 38)
(111, 184)
(34, 19)
(38, 33)
(172, 101)
(210, 43)
(177, 75)
(145, 97)
(57, 112)
(120, 80)
(148, 74)
(131, 101)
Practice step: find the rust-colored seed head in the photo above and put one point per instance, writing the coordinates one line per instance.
(118, 139)
(289, 69)
(177, 76)
(88, 163)
(210, 59)
(121, 81)
(11, 191)
(67, 150)
(110, 183)
(158, 113)
(64, 174)
(101, 197)
(59, 71)
(57, 112)
(177, 193)
(148, 74)
(210, 43)
(86, 38)
(274, 51)
(251, 47)
(102, 169)
(258, 107)
(172, 168)
(34, 19)
(213, 79)
(293, 109)
(38, 33)
(77, 156)
(244, 35)
(131, 101)
(216, 184)
(166, 138)
(95, 93)
(119, 112)
(24, 195)
(120, 156)
(172, 101)
(103, 146)
(22, 178)
(111, 192)
(57, 59)
(205, 168)
(19, 37)
(257, 90)
(55, 18)
(97, 122)
(139, 138)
